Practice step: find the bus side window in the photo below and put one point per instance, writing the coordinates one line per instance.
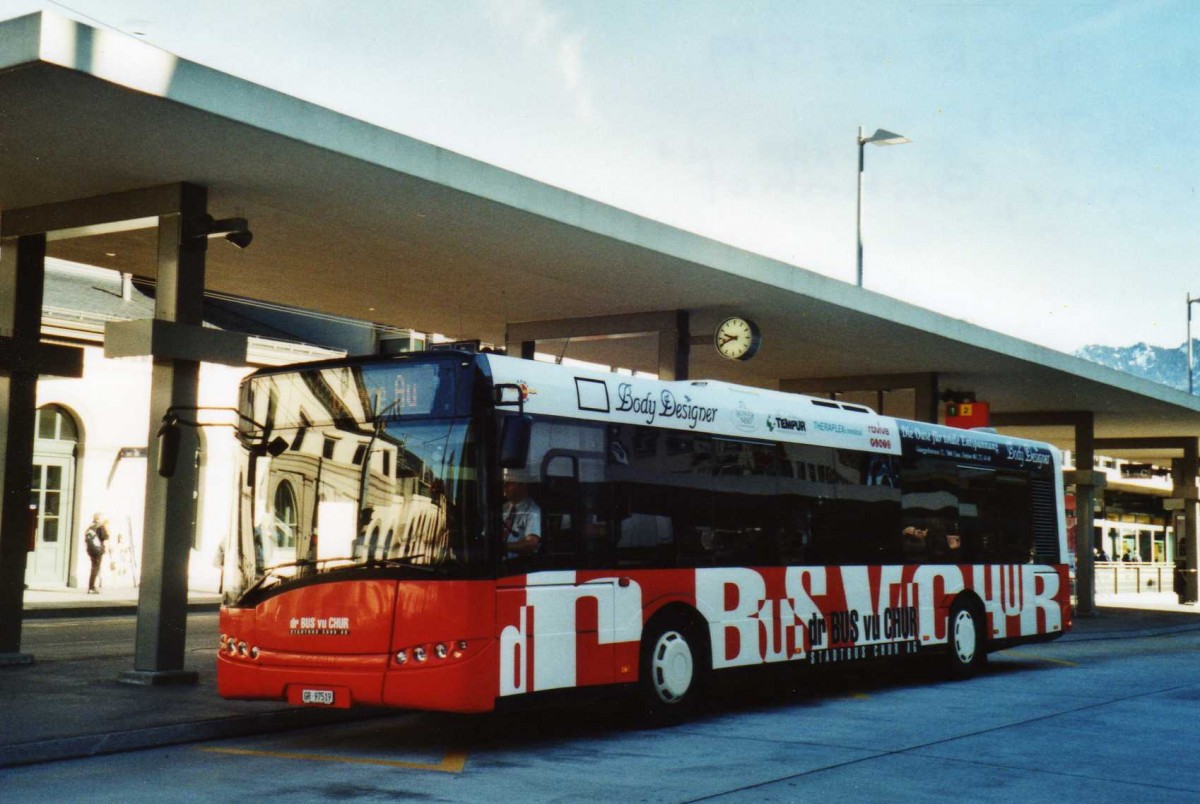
(557, 495)
(569, 458)
(929, 509)
(806, 533)
(745, 487)
(867, 509)
(649, 473)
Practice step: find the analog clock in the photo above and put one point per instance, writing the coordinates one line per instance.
(737, 338)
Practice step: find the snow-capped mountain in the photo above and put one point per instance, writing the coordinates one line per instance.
(1156, 363)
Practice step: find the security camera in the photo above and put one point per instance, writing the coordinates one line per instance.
(240, 239)
(235, 230)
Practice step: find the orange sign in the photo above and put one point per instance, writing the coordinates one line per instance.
(967, 414)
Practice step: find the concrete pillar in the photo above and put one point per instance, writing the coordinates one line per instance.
(674, 347)
(1188, 552)
(22, 270)
(928, 395)
(168, 529)
(1086, 484)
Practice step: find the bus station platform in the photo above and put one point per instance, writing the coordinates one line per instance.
(69, 704)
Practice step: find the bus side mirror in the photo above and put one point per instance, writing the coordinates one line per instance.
(168, 447)
(514, 441)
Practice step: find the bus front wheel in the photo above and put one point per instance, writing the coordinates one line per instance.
(965, 635)
(672, 668)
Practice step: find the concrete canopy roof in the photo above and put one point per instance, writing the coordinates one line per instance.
(355, 220)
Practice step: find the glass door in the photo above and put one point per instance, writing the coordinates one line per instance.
(50, 496)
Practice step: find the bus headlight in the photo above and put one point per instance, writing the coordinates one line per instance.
(419, 654)
(441, 650)
(402, 657)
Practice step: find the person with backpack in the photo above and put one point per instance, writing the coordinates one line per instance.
(94, 539)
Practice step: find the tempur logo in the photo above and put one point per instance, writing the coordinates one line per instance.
(788, 424)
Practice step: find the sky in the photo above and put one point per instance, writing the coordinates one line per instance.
(1048, 191)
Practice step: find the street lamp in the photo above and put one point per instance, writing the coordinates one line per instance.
(880, 137)
(1190, 302)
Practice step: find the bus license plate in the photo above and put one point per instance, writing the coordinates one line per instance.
(319, 697)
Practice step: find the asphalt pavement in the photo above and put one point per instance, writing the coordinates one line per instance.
(66, 708)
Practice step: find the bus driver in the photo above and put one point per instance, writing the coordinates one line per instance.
(522, 520)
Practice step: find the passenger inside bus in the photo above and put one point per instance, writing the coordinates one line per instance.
(936, 539)
(522, 519)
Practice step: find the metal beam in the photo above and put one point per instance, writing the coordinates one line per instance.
(594, 327)
(170, 339)
(1181, 443)
(132, 209)
(670, 326)
(1042, 418)
(43, 359)
(924, 385)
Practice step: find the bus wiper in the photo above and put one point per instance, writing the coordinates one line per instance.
(404, 561)
(274, 571)
(270, 573)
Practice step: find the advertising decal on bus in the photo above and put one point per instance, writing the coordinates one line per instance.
(817, 615)
(714, 407)
(976, 447)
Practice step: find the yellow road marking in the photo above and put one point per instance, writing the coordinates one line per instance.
(452, 762)
(860, 696)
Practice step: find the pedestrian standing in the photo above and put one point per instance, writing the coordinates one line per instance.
(94, 539)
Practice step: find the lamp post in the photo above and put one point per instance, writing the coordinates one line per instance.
(1190, 302)
(880, 137)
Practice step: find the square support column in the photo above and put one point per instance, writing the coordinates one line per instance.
(1187, 559)
(22, 270)
(1085, 519)
(170, 507)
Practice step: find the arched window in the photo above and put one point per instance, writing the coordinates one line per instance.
(286, 515)
(55, 424)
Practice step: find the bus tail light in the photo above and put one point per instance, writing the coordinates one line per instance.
(450, 649)
(236, 647)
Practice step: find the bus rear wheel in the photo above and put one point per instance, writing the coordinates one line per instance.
(671, 671)
(967, 643)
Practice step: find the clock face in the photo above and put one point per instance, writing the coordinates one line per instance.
(737, 338)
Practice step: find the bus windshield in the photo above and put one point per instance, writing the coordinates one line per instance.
(339, 481)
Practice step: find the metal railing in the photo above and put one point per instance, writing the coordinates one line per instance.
(1125, 577)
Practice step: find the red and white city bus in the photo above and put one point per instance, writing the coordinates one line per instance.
(686, 527)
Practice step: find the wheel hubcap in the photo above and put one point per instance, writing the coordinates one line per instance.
(964, 637)
(672, 667)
